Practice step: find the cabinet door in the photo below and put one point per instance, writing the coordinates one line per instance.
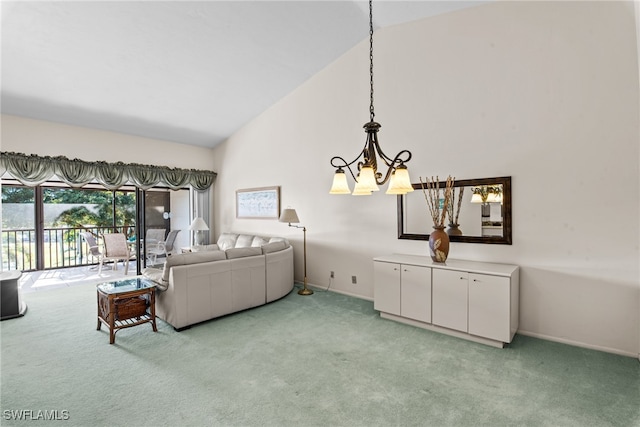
(449, 305)
(489, 302)
(386, 287)
(415, 292)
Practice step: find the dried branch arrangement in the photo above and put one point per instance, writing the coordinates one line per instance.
(431, 191)
(455, 205)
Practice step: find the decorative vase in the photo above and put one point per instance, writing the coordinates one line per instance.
(454, 230)
(439, 244)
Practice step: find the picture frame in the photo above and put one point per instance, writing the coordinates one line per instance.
(258, 203)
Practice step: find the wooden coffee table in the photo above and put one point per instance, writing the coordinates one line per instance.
(126, 303)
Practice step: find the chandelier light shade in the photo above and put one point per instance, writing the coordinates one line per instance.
(368, 176)
(340, 184)
(400, 182)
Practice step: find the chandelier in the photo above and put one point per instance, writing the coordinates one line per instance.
(368, 177)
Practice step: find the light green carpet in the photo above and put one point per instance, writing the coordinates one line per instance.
(322, 360)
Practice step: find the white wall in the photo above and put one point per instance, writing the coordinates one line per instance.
(544, 92)
(29, 136)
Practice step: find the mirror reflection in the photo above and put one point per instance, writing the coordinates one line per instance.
(482, 208)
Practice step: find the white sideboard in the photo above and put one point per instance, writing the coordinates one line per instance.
(468, 299)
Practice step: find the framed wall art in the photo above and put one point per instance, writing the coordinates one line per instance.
(258, 203)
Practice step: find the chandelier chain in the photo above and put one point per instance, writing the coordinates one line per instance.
(371, 113)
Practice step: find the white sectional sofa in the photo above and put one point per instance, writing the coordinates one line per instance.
(239, 272)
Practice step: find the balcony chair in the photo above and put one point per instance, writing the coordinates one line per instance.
(163, 248)
(152, 237)
(116, 248)
(93, 245)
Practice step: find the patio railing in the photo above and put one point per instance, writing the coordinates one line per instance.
(62, 247)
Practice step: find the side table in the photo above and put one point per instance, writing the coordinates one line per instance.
(126, 303)
(11, 298)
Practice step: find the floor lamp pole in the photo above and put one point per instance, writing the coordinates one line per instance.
(305, 290)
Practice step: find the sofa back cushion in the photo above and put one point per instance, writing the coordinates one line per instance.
(244, 241)
(258, 241)
(242, 252)
(279, 239)
(227, 240)
(274, 247)
(204, 248)
(190, 258)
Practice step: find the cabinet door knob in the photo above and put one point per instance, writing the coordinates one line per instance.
(406, 269)
(395, 269)
(461, 278)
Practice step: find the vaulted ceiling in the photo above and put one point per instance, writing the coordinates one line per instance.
(189, 72)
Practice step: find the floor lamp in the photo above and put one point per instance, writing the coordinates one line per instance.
(289, 215)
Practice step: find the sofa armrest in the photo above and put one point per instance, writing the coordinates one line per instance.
(155, 275)
(279, 267)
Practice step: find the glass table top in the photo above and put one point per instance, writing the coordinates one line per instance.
(126, 285)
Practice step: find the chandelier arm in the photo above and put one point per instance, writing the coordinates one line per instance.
(391, 165)
(344, 164)
(388, 160)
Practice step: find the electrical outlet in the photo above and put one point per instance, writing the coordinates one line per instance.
(333, 275)
(354, 280)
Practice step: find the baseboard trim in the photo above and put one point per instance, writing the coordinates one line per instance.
(337, 291)
(579, 344)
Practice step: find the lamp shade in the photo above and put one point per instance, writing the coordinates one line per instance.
(340, 185)
(476, 198)
(367, 180)
(400, 182)
(289, 215)
(198, 224)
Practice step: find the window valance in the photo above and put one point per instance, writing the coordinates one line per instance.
(33, 170)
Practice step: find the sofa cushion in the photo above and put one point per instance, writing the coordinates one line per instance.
(204, 248)
(258, 241)
(244, 241)
(274, 247)
(278, 239)
(242, 252)
(227, 240)
(190, 258)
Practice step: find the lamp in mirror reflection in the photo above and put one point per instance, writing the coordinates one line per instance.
(368, 177)
(487, 194)
(290, 216)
